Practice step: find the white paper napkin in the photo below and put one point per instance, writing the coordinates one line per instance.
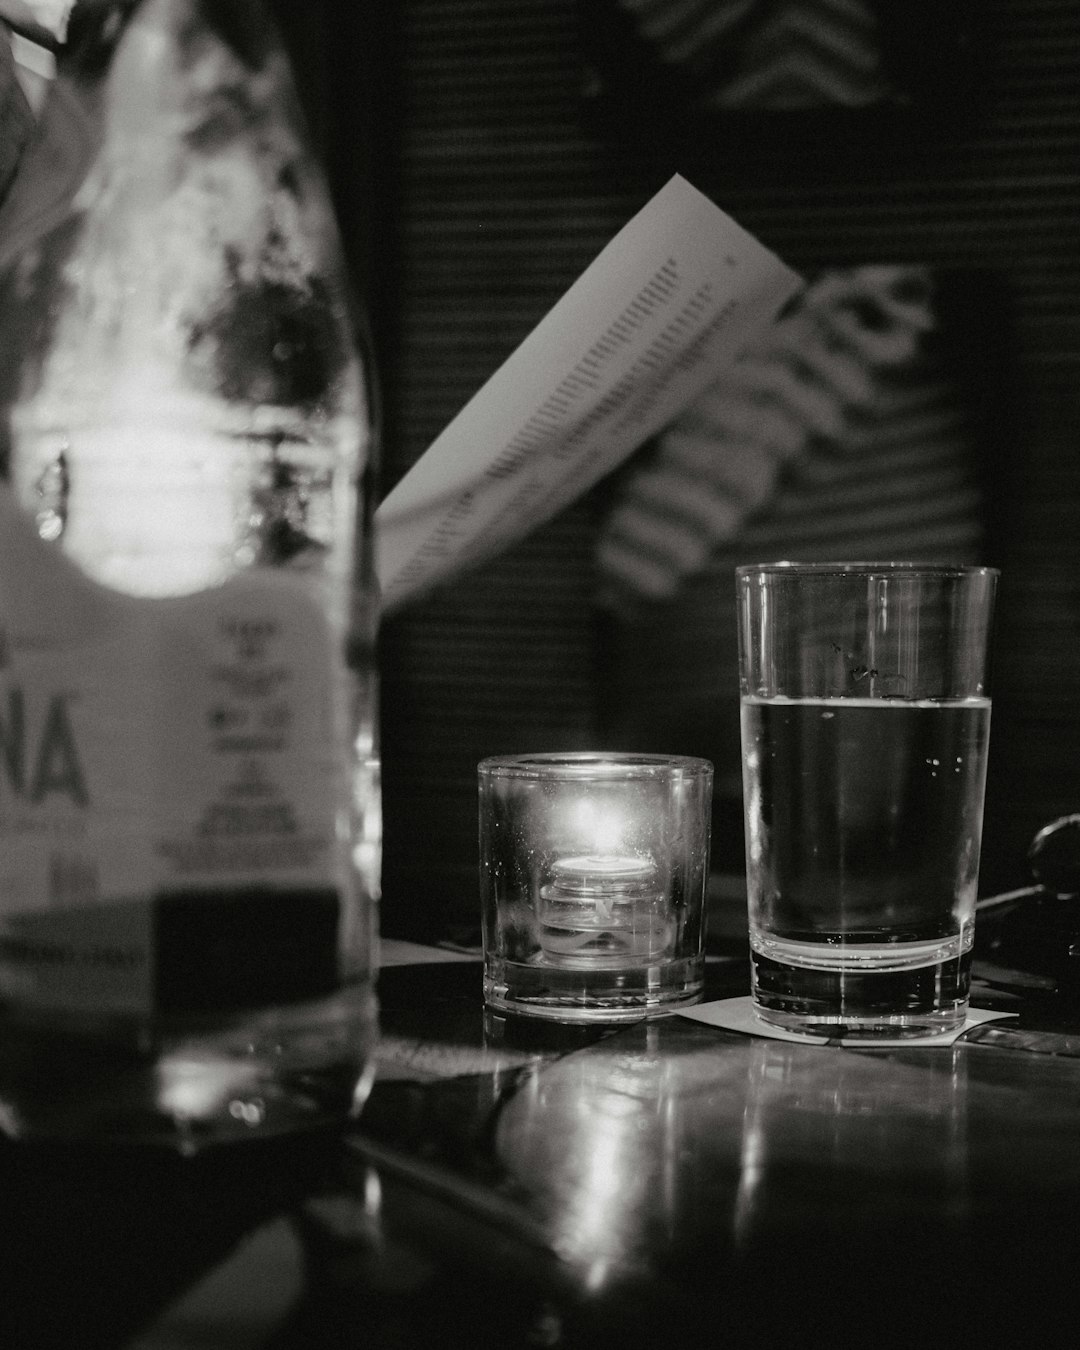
(738, 1014)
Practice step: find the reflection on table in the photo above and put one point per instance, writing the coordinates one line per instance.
(523, 1184)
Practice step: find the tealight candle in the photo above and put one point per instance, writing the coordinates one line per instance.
(592, 874)
(603, 910)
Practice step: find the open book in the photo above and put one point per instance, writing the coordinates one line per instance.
(678, 294)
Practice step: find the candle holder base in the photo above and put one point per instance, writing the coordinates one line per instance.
(592, 993)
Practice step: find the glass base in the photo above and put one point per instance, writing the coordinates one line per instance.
(895, 1027)
(596, 994)
(877, 994)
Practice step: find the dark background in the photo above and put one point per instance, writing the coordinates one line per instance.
(480, 164)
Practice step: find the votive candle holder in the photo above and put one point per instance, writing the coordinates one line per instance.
(593, 874)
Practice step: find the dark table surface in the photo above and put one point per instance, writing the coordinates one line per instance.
(675, 1177)
(516, 1184)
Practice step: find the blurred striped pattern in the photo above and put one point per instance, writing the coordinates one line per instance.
(497, 190)
(905, 483)
(746, 55)
(806, 408)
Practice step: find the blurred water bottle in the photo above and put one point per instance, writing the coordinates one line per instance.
(189, 791)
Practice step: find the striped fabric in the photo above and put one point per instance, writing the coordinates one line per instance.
(837, 436)
(906, 487)
(749, 55)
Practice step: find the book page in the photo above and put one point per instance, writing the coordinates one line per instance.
(677, 294)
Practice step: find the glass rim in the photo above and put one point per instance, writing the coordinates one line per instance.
(793, 567)
(604, 764)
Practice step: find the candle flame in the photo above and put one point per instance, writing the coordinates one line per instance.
(603, 828)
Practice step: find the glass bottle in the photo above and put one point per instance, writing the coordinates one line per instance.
(189, 791)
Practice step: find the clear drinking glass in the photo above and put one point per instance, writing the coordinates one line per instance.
(593, 870)
(865, 725)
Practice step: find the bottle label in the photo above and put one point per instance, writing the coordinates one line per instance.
(181, 746)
